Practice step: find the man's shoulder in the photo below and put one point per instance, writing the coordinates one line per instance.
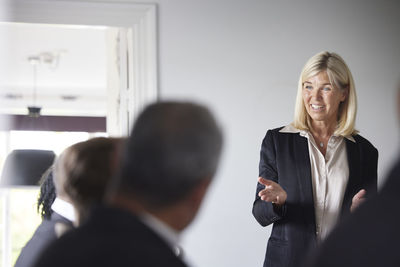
(42, 236)
(85, 248)
(110, 237)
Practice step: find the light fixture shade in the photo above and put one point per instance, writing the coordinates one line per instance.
(25, 167)
(34, 111)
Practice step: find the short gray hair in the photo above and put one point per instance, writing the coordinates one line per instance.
(173, 146)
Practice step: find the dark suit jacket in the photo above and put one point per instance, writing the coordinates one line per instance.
(44, 234)
(285, 159)
(110, 237)
(369, 237)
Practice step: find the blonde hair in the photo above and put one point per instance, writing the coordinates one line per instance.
(340, 77)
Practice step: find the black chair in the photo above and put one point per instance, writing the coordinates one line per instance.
(25, 167)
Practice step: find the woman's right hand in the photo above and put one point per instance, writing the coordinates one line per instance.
(272, 192)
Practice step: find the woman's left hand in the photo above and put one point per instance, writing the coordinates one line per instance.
(357, 200)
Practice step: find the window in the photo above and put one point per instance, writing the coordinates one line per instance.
(18, 209)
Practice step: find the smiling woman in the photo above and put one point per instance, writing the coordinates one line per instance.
(315, 169)
(322, 100)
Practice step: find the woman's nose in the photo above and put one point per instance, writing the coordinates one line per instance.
(316, 93)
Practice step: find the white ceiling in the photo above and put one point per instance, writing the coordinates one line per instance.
(73, 81)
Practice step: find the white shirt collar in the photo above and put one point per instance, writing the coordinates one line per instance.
(64, 208)
(291, 129)
(170, 235)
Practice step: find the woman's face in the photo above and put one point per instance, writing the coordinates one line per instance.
(322, 99)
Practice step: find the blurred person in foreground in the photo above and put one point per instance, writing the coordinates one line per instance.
(371, 235)
(85, 169)
(79, 178)
(57, 217)
(170, 159)
(318, 168)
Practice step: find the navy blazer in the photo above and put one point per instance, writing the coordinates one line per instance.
(285, 159)
(43, 236)
(110, 237)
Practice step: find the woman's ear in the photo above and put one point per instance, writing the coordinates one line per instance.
(345, 92)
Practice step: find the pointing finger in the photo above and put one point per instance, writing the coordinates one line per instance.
(264, 181)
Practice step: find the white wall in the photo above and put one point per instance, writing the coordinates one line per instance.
(243, 59)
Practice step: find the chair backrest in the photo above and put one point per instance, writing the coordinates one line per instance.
(25, 167)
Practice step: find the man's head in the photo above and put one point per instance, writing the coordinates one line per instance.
(83, 171)
(174, 149)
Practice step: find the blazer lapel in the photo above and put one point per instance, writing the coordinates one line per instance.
(303, 168)
(353, 159)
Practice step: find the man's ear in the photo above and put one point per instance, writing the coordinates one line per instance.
(198, 193)
(189, 207)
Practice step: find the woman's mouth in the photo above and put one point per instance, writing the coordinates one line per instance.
(316, 107)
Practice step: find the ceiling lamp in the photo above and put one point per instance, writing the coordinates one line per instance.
(25, 167)
(34, 110)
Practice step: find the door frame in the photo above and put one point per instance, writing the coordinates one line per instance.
(138, 77)
(138, 71)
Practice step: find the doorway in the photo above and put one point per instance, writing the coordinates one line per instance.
(131, 54)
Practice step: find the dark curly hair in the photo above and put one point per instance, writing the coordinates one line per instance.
(47, 194)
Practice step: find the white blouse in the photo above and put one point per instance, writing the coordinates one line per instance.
(330, 175)
(64, 208)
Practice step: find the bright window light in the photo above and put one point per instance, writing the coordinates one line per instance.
(20, 203)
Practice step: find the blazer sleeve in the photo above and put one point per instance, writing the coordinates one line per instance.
(266, 212)
(371, 172)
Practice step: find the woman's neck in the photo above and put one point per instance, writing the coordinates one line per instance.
(322, 129)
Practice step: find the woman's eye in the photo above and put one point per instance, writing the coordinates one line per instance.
(326, 89)
(308, 87)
